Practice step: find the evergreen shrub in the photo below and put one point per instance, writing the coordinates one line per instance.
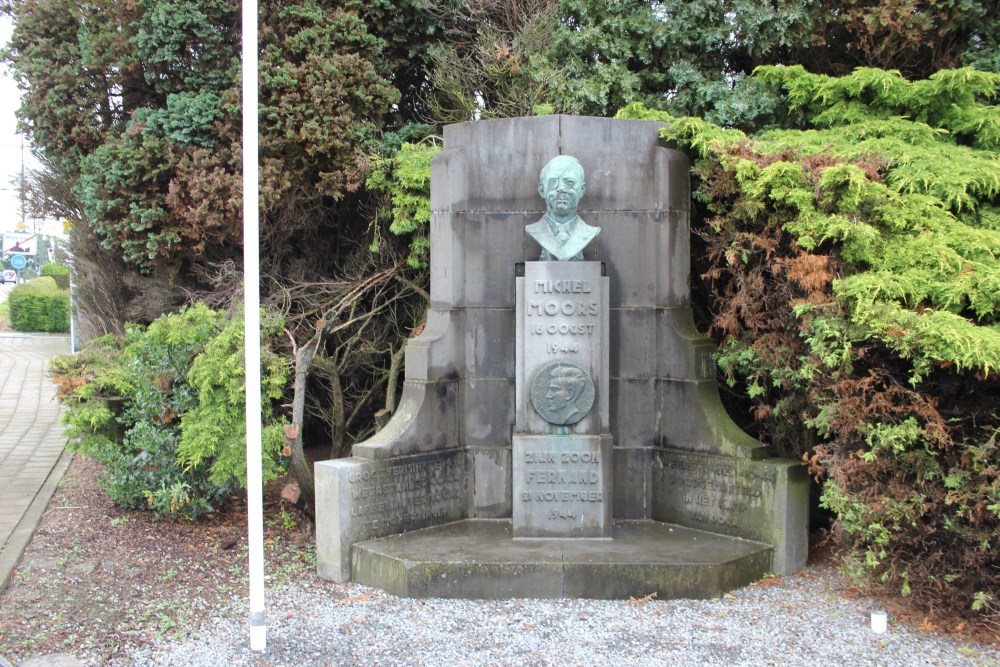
(54, 269)
(39, 305)
(852, 268)
(58, 272)
(132, 402)
(404, 179)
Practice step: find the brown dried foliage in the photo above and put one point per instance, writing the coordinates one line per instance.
(753, 275)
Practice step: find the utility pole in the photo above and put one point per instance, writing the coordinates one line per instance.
(22, 183)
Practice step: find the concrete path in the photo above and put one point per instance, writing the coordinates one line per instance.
(33, 453)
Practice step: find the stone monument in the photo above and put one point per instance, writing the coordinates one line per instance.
(560, 431)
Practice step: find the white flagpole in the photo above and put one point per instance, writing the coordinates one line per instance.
(251, 327)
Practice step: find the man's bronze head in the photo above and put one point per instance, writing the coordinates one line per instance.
(561, 185)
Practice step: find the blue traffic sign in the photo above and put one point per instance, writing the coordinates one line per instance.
(18, 262)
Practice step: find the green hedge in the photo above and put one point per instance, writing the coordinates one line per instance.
(58, 272)
(54, 269)
(39, 305)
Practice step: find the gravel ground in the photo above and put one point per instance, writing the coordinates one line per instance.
(802, 620)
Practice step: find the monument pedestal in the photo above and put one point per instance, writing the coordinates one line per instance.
(562, 448)
(480, 559)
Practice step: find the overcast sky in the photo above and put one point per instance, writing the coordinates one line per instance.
(10, 141)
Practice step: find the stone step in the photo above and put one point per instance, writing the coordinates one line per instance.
(480, 559)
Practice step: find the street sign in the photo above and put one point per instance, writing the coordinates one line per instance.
(23, 243)
(18, 262)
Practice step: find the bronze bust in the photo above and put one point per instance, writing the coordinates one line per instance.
(561, 232)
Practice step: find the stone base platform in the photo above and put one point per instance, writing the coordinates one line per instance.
(480, 559)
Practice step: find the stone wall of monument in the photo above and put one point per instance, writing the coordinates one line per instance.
(459, 389)
(478, 218)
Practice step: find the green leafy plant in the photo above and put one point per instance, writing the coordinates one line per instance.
(214, 430)
(288, 520)
(142, 470)
(54, 269)
(58, 272)
(853, 273)
(146, 406)
(405, 180)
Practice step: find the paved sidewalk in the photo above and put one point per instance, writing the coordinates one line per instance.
(32, 445)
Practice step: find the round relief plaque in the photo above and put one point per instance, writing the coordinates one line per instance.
(562, 393)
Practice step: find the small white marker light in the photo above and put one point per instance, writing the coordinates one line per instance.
(880, 621)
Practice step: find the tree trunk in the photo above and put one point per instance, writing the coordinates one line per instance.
(338, 421)
(300, 466)
(395, 366)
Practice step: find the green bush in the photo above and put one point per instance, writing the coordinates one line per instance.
(214, 430)
(54, 269)
(39, 305)
(131, 399)
(853, 274)
(58, 272)
(404, 179)
(87, 383)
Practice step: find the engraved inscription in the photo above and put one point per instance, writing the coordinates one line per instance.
(567, 478)
(405, 496)
(562, 287)
(562, 477)
(562, 457)
(570, 317)
(714, 491)
(566, 318)
(567, 308)
(565, 329)
(561, 486)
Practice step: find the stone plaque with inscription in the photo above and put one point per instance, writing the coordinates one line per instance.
(384, 498)
(760, 500)
(561, 486)
(561, 318)
(562, 450)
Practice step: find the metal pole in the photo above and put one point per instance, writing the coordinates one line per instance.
(251, 328)
(73, 346)
(22, 182)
